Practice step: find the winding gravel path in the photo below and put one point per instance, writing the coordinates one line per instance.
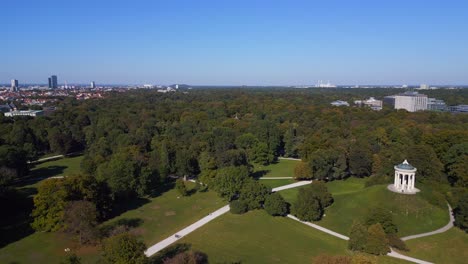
(189, 229)
(438, 231)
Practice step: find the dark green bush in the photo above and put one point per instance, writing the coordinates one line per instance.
(238, 207)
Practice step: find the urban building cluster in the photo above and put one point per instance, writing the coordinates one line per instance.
(411, 101)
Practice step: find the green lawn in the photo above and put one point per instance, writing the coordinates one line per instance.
(411, 213)
(283, 168)
(448, 247)
(257, 237)
(157, 219)
(276, 183)
(60, 167)
(170, 212)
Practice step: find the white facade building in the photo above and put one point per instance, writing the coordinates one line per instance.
(411, 101)
(32, 113)
(371, 102)
(405, 178)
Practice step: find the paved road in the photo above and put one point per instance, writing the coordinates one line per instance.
(438, 231)
(275, 178)
(189, 229)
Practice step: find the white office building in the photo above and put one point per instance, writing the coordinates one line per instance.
(411, 101)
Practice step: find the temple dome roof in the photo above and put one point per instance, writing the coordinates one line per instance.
(405, 166)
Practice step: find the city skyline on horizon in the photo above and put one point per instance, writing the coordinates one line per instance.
(242, 43)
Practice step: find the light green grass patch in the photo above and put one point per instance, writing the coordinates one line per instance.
(448, 247)
(257, 237)
(411, 213)
(283, 168)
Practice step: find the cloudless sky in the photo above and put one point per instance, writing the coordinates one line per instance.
(235, 42)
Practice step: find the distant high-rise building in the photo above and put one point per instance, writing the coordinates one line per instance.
(53, 84)
(14, 85)
(93, 85)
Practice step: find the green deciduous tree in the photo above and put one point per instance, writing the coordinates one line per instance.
(461, 213)
(320, 190)
(357, 237)
(307, 206)
(238, 207)
(302, 170)
(49, 204)
(180, 187)
(377, 242)
(382, 216)
(229, 181)
(124, 249)
(80, 218)
(253, 194)
(276, 205)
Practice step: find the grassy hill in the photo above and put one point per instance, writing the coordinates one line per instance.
(412, 213)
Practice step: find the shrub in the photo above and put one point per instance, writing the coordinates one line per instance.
(181, 188)
(320, 190)
(188, 257)
(384, 218)
(326, 259)
(302, 171)
(461, 213)
(276, 205)
(377, 242)
(124, 249)
(307, 206)
(238, 207)
(357, 237)
(395, 242)
(253, 194)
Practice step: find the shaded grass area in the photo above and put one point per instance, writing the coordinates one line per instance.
(276, 183)
(448, 247)
(411, 213)
(282, 168)
(15, 222)
(257, 237)
(60, 167)
(152, 221)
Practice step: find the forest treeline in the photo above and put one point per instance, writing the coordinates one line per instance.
(134, 141)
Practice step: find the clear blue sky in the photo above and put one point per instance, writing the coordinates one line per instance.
(235, 42)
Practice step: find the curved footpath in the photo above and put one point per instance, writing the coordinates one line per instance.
(392, 253)
(189, 229)
(173, 238)
(438, 231)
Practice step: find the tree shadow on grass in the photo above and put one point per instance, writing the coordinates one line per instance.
(40, 174)
(15, 222)
(124, 224)
(163, 188)
(260, 173)
(124, 205)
